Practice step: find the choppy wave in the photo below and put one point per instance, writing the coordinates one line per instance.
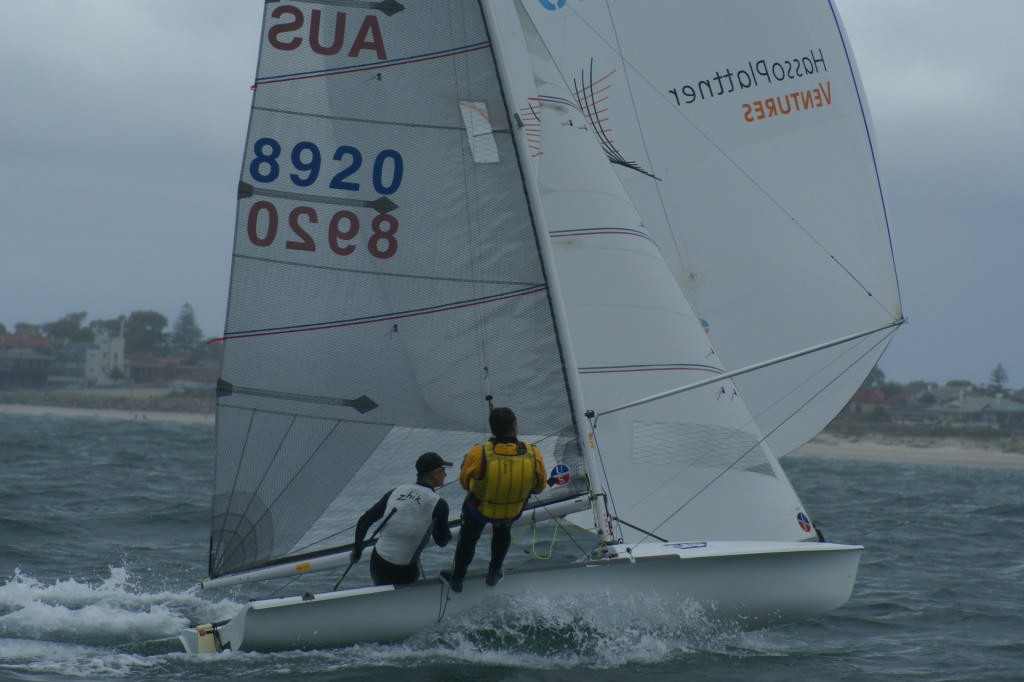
(104, 526)
(114, 628)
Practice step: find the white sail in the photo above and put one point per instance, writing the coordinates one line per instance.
(385, 276)
(688, 466)
(739, 130)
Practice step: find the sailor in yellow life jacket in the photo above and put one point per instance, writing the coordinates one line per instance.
(500, 475)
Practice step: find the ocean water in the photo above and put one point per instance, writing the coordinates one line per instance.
(103, 535)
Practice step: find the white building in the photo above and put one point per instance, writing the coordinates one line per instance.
(104, 361)
(100, 363)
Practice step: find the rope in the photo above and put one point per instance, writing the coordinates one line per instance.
(442, 606)
(551, 545)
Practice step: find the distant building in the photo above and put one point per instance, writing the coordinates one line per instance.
(25, 359)
(173, 371)
(29, 360)
(956, 407)
(23, 368)
(100, 363)
(974, 411)
(867, 401)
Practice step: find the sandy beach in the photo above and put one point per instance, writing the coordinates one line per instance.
(137, 415)
(925, 450)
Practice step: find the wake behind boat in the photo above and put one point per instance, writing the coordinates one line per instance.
(434, 210)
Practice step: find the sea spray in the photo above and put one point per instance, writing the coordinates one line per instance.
(114, 611)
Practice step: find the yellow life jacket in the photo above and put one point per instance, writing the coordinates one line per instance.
(507, 481)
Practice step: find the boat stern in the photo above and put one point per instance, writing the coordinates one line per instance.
(212, 638)
(200, 639)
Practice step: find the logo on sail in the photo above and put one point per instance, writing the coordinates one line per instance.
(804, 522)
(559, 474)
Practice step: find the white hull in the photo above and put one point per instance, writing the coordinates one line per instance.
(747, 584)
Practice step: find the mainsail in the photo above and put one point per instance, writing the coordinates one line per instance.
(385, 277)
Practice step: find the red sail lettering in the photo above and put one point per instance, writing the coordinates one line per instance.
(314, 33)
(826, 91)
(282, 36)
(369, 38)
(274, 35)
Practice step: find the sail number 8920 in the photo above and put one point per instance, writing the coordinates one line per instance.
(263, 224)
(306, 163)
(307, 160)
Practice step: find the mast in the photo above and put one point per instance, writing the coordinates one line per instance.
(585, 439)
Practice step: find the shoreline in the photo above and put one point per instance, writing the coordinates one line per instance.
(921, 450)
(880, 449)
(106, 413)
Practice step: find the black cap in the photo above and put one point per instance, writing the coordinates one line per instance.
(429, 461)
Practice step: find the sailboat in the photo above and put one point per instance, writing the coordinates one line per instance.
(655, 230)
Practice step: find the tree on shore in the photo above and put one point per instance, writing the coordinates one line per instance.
(144, 332)
(113, 327)
(68, 329)
(186, 334)
(999, 377)
(874, 379)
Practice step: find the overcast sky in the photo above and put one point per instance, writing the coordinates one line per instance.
(123, 123)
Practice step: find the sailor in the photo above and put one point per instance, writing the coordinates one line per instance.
(499, 476)
(412, 515)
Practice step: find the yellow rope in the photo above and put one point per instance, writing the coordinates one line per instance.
(551, 545)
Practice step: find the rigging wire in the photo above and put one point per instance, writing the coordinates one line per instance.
(591, 418)
(764, 437)
(891, 326)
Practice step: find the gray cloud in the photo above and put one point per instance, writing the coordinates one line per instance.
(940, 79)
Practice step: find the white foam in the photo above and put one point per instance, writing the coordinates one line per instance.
(111, 612)
(113, 629)
(596, 631)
